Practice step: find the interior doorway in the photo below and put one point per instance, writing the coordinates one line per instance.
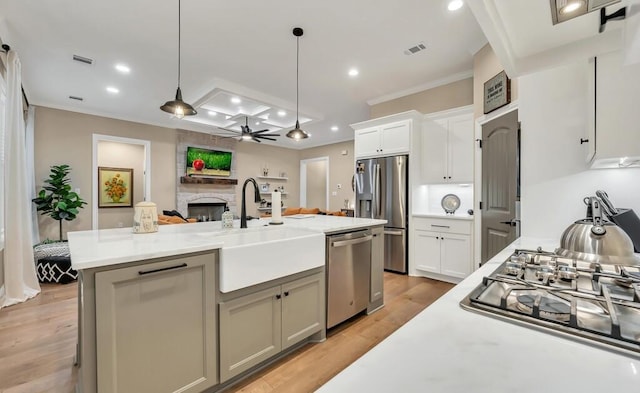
(500, 193)
(120, 152)
(314, 183)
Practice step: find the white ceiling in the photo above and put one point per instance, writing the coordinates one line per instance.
(244, 47)
(523, 35)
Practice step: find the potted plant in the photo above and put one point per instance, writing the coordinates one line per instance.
(56, 198)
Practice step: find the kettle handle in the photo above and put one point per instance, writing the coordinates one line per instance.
(597, 229)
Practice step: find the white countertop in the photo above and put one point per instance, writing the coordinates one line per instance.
(96, 248)
(448, 349)
(455, 216)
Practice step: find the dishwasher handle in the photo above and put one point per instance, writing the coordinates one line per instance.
(341, 243)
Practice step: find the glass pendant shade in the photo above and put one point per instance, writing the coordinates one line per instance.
(177, 107)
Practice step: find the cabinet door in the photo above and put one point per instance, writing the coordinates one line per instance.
(303, 309)
(460, 153)
(434, 151)
(426, 251)
(156, 327)
(455, 255)
(250, 328)
(395, 138)
(367, 142)
(617, 117)
(377, 265)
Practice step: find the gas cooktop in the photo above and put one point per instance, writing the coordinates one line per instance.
(596, 302)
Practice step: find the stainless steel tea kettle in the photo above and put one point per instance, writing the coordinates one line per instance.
(596, 240)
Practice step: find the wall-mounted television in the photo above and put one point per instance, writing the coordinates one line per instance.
(206, 162)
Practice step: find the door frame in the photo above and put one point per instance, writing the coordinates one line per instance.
(477, 182)
(303, 181)
(97, 138)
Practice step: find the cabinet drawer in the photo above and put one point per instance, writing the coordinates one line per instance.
(443, 225)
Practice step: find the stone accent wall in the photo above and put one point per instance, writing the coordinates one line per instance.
(203, 193)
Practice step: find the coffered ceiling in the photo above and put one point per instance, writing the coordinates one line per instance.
(237, 49)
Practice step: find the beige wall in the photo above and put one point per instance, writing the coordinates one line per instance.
(121, 155)
(1, 268)
(340, 171)
(63, 137)
(252, 157)
(452, 95)
(485, 66)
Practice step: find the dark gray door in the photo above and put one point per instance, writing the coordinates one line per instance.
(500, 194)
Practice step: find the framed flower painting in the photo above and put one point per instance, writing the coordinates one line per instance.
(115, 187)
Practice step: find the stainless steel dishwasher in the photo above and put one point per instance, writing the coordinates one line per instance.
(348, 275)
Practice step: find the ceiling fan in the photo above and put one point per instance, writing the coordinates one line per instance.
(248, 134)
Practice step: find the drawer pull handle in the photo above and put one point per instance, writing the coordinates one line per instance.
(278, 296)
(440, 226)
(143, 272)
(286, 293)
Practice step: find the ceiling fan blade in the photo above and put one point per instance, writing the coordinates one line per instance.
(229, 130)
(256, 139)
(260, 132)
(264, 137)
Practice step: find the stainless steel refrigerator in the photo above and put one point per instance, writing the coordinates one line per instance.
(381, 192)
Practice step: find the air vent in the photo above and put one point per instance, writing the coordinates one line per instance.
(415, 49)
(81, 59)
(76, 98)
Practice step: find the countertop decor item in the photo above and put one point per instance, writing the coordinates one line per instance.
(145, 218)
(177, 107)
(276, 212)
(297, 133)
(450, 203)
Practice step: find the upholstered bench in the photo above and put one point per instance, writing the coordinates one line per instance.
(53, 263)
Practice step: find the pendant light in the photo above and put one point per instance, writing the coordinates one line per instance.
(297, 133)
(177, 107)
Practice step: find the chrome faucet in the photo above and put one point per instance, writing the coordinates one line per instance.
(243, 215)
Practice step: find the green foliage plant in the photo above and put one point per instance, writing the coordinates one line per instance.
(56, 198)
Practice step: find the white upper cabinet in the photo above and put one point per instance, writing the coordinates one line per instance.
(447, 148)
(383, 140)
(386, 136)
(614, 134)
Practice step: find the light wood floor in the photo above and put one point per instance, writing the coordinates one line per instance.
(38, 339)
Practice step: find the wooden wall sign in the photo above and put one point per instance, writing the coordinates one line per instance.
(497, 92)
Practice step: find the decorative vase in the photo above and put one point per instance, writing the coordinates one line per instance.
(115, 199)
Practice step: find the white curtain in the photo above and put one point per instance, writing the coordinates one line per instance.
(20, 281)
(31, 172)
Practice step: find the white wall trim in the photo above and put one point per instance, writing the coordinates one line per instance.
(303, 180)
(462, 110)
(497, 113)
(97, 138)
(426, 86)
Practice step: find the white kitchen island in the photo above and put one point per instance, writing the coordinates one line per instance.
(448, 349)
(193, 307)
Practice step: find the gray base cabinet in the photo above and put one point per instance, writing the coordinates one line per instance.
(156, 326)
(259, 325)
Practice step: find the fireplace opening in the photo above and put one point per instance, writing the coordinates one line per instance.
(206, 211)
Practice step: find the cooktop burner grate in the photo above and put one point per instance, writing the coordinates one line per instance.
(586, 300)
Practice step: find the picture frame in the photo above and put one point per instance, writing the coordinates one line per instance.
(497, 92)
(264, 187)
(115, 187)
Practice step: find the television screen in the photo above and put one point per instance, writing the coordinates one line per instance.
(207, 162)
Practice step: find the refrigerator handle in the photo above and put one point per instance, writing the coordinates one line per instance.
(376, 193)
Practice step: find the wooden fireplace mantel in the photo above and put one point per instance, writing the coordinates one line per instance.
(207, 180)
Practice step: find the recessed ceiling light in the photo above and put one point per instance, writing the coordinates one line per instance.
(212, 113)
(123, 68)
(282, 113)
(236, 100)
(113, 90)
(334, 128)
(227, 117)
(455, 5)
(353, 72)
(257, 123)
(571, 7)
